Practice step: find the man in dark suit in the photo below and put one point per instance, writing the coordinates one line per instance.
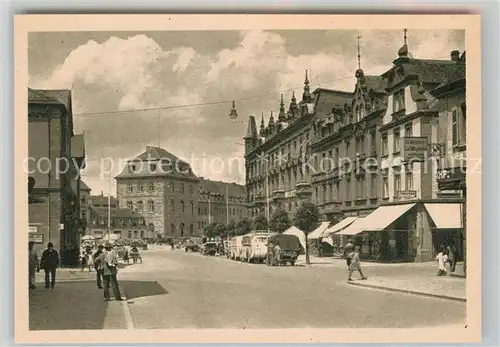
(50, 262)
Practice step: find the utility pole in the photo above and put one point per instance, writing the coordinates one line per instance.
(109, 209)
(227, 206)
(267, 196)
(209, 209)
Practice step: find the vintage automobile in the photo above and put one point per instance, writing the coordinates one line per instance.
(290, 248)
(191, 246)
(209, 248)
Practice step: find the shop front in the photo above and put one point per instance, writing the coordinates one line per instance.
(403, 232)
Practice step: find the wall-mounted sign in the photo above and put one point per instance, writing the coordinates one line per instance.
(33, 229)
(451, 179)
(414, 148)
(290, 194)
(407, 194)
(36, 237)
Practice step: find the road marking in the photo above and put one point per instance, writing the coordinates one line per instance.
(128, 315)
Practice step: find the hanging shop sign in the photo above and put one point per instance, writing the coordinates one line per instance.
(414, 148)
(451, 178)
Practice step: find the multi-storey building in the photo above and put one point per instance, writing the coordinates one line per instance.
(345, 151)
(54, 214)
(277, 158)
(407, 215)
(452, 167)
(172, 199)
(220, 202)
(123, 222)
(375, 153)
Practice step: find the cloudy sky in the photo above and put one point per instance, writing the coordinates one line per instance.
(111, 72)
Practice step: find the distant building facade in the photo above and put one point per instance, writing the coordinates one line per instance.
(125, 223)
(53, 148)
(164, 189)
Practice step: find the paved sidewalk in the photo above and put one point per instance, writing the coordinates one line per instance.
(444, 287)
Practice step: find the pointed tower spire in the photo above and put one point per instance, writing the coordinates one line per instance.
(262, 126)
(306, 95)
(282, 116)
(271, 119)
(359, 72)
(403, 51)
(359, 52)
(251, 128)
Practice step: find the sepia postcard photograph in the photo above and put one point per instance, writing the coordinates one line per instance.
(247, 178)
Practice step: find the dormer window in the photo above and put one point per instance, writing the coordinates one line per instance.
(132, 168)
(152, 167)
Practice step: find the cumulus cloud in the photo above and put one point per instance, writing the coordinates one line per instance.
(139, 72)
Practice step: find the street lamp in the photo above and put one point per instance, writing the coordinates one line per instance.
(233, 114)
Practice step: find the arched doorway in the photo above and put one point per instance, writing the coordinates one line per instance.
(151, 229)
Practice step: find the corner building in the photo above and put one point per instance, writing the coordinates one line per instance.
(172, 199)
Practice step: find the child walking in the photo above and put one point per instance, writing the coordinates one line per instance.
(355, 264)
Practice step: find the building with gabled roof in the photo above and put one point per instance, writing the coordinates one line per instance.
(173, 200)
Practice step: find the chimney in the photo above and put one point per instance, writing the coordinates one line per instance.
(455, 55)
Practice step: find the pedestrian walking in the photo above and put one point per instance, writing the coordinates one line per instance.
(49, 263)
(98, 266)
(109, 261)
(348, 249)
(441, 260)
(33, 265)
(270, 250)
(277, 254)
(355, 264)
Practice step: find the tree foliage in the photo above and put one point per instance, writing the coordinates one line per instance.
(260, 223)
(307, 217)
(231, 228)
(244, 226)
(279, 221)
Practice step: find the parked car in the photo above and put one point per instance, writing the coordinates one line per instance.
(290, 247)
(190, 246)
(209, 248)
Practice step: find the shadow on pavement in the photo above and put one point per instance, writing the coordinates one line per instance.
(70, 306)
(137, 289)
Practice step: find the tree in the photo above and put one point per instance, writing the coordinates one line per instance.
(210, 230)
(279, 221)
(220, 230)
(307, 219)
(260, 223)
(231, 228)
(243, 226)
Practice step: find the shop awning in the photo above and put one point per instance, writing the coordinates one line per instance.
(316, 234)
(445, 215)
(378, 220)
(344, 223)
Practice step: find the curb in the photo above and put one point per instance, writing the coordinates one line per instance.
(407, 291)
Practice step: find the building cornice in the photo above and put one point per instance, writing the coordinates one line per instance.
(407, 118)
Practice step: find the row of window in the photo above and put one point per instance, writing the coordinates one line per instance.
(333, 192)
(131, 188)
(139, 206)
(232, 211)
(121, 221)
(408, 132)
(294, 148)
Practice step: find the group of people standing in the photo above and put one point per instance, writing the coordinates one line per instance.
(273, 254)
(105, 262)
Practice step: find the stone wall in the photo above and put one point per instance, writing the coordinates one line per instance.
(39, 217)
